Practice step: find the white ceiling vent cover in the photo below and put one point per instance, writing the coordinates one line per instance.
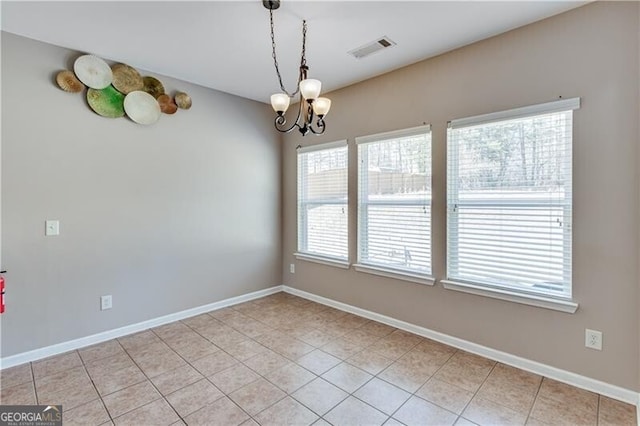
(381, 43)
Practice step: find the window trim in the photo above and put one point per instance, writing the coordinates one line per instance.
(515, 113)
(316, 257)
(413, 131)
(539, 300)
(382, 270)
(324, 260)
(398, 274)
(563, 303)
(321, 146)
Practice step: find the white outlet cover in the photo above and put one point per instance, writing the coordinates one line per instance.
(593, 339)
(52, 228)
(292, 268)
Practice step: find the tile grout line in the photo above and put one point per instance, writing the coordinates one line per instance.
(535, 398)
(221, 350)
(163, 341)
(84, 365)
(478, 390)
(329, 410)
(241, 362)
(33, 378)
(164, 397)
(413, 394)
(474, 393)
(342, 361)
(352, 394)
(316, 376)
(432, 376)
(264, 376)
(362, 349)
(148, 379)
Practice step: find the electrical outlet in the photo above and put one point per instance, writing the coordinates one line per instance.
(106, 302)
(52, 228)
(292, 268)
(593, 339)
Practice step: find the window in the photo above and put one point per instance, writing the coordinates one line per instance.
(322, 201)
(509, 200)
(394, 202)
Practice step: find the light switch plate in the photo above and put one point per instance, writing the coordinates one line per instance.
(52, 228)
(106, 302)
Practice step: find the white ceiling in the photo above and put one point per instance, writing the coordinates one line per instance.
(225, 45)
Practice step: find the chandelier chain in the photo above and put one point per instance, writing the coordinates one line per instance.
(303, 60)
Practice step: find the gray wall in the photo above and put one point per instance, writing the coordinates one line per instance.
(591, 52)
(165, 217)
(638, 188)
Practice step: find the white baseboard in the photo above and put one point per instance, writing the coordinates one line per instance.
(574, 379)
(612, 391)
(82, 342)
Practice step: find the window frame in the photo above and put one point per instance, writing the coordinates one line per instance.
(302, 219)
(361, 265)
(564, 302)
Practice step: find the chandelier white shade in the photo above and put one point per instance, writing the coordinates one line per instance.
(310, 88)
(321, 106)
(280, 102)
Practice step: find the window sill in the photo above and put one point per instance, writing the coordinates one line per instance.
(394, 273)
(512, 296)
(323, 260)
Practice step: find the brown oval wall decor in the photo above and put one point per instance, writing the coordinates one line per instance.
(183, 100)
(167, 105)
(152, 86)
(126, 79)
(68, 82)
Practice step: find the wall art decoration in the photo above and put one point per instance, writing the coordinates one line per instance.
(167, 105)
(107, 102)
(152, 86)
(126, 79)
(93, 71)
(69, 82)
(183, 100)
(141, 107)
(119, 90)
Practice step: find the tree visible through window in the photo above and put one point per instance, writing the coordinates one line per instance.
(322, 200)
(510, 202)
(394, 200)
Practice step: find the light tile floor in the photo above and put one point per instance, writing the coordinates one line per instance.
(284, 360)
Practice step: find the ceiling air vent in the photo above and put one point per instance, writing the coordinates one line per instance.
(371, 48)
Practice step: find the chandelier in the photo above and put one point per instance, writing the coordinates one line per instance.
(311, 105)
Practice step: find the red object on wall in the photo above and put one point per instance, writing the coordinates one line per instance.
(1, 294)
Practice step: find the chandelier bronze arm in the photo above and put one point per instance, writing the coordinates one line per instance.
(281, 121)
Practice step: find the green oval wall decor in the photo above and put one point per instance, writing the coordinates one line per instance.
(107, 102)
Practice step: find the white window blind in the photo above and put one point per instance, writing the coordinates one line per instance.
(394, 200)
(509, 199)
(322, 200)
